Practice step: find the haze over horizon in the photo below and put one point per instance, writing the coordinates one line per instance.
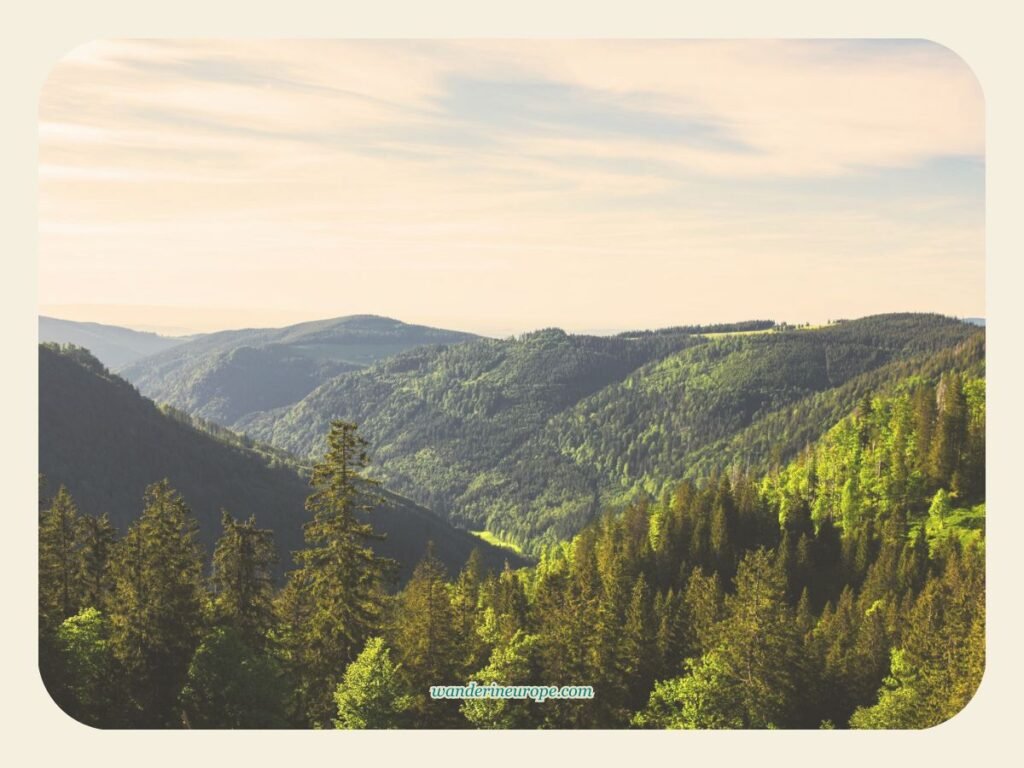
(503, 186)
(84, 315)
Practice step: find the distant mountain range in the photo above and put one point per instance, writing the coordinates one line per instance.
(230, 375)
(112, 345)
(529, 438)
(106, 443)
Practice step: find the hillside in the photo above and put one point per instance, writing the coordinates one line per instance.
(112, 345)
(844, 588)
(227, 375)
(106, 443)
(528, 438)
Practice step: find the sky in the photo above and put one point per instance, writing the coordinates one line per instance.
(502, 186)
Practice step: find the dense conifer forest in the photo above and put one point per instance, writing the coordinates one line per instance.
(758, 527)
(105, 443)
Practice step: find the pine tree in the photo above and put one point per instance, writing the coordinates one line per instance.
(639, 645)
(950, 432)
(757, 645)
(98, 542)
(425, 641)
(938, 667)
(156, 614)
(472, 651)
(338, 570)
(671, 637)
(913, 567)
(242, 579)
(706, 698)
(60, 562)
(703, 601)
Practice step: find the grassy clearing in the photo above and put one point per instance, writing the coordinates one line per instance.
(765, 330)
(735, 333)
(495, 541)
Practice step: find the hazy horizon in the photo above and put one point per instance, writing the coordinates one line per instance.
(84, 316)
(502, 186)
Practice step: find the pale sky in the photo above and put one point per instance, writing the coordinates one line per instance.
(502, 186)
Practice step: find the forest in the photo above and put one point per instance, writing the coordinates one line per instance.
(834, 583)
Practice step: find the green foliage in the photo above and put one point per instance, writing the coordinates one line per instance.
(86, 667)
(371, 694)
(340, 575)
(845, 587)
(242, 580)
(106, 444)
(529, 438)
(60, 563)
(157, 610)
(425, 638)
(232, 685)
(757, 644)
(874, 464)
(229, 376)
(940, 662)
(705, 699)
(99, 539)
(514, 663)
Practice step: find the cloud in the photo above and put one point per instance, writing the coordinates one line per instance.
(275, 171)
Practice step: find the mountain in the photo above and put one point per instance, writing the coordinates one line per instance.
(104, 441)
(528, 438)
(112, 345)
(228, 375)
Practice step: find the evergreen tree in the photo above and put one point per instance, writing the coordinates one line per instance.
(472, 649)
(425, 640)
(242, 579)
(950, 431)
(98, 541)
(938, 667)
(757, 646)
(156, 614)
(339, 571)
(703, 603)
(60, 562)
(639, 645)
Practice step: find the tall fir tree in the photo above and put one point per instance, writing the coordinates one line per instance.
(243, 579)
(60, 561)
(342, 577)
(426, 641)
(99, 538)
(158, 606)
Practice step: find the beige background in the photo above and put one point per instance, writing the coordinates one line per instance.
(34, 37)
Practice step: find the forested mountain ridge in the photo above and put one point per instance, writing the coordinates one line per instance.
(530, 437)
(779, 434)
(112, 345)
(844, 588)
(439, 418)
(226, 375)
(106, 443)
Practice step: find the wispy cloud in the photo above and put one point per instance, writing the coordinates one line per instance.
(318, 174)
